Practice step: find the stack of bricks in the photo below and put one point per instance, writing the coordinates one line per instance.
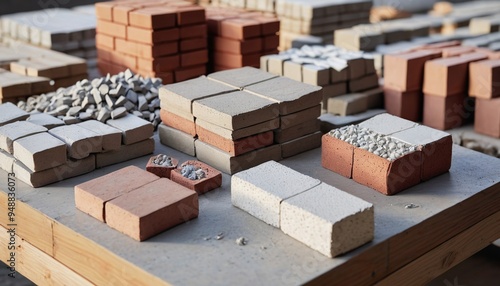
(42, 150)
(267, 6)
(323, 217)
(237, 119)
(319, 18)
(387, 153)
(15, 87)
(484, 85)
(136, 202)
(239, 38)
(348, 79)
(58, 29)
(159, 39)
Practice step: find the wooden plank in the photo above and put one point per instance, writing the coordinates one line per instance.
(422, 270)
(96, 263)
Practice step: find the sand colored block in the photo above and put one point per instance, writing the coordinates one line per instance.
(436, 147)
(333, 90)
(293, 119)
(444, 113)
(301, 144)
(111, 137)
(226, 163)
(10, 113)
(260, 190)
(80, 141)
(292, 70)
(275, 63)
(212, 178)
(315, 75)
(487, 117)
(134, 129)
(241, 77)
(178, 122)
(291, 95)
(181, 95)
(337, 155)
(16, 130)
(404, 104)
(125, 153)
(69, 169)
(296, 131)
(240, 133)
(40, 151)
(91, 196)
(151, 209)
(45, 120)
(387, 124)
(162, 171)
(176, 139)
(235, 110)
(328, 220)
(347, 104)
(484, 79)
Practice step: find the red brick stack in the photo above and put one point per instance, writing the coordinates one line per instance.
(239, 38)
(166, 39)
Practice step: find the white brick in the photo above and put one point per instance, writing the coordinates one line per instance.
(45, 120)
(10, 113)
(328, 220)
(16, 130)
(125, 153)
(40, 151)
(111, 137)
(134, 129)
(176, 139)
(81, 142)
(261, 189)
(387, 124)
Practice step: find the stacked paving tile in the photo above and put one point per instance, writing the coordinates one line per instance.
(349, 81)
(319, 18)
(164, 39)
(15, 87)
(433, 83)
(237, 119)
(239, 38)
(58, 29)
(136, 202)
(323, 217)
(387, 153)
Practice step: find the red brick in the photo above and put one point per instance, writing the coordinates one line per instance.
(108, 67)
(214, 24)
(193, 31)
(444, 113)
(445, 76)
(404, 104)
(484, 79)
(189, 72)
(152, 209)
(232, 46)
(194, 58)
(159, 64)
(190, 15)
(121, 14)
(151, 37)
(105, 41)
(111, 29)
(118, 58)
(212, 180)
(337, 155)
(192, 44)
(146, 51)
(456, 51)
(104, 10)
(166, 77)
(161, 171)
(177, 122)
(487, 117)
(271, 42)
(239, 29)
(236, 61)
(153, 18)
(269, 25)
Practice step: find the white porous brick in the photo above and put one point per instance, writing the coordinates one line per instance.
(387, 124)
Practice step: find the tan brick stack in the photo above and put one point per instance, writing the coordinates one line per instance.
(239, 38)
(165, 39)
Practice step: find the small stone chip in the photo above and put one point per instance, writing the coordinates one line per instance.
(118, 113)
(241, 241)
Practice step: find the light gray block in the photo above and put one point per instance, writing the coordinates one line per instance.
(179, 96)
(125, 153)
(287, 121)
(241, 77)
(294, 132)
(40, 151)
(232, 164)
(134, 129)
(6, 161)
(81, 142)
(301, 144)
(71, 168)
(16, 130)
(235, 110)
(240, 133)
(328, 220)
(111, 137)
(291, 95)
(176, 139)
(10, 113)
(261, 189)
(387, 124)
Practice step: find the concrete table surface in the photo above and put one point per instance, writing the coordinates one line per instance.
(190, 254)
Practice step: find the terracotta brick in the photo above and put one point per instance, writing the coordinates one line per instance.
(404, 104)
(214, 24)
(212, 180)
(190, 15)
(439, 46)
(159, 64)
(243, 47)
(240, 29)
(153, 18)
(146, 51)
(445, 76)
(152, 209)
(159, 170)
(237, 147)
(121, 14)
(484, 79)
(180, 123)
(194, 58)
(487, 117)
(444, 113)
(193, 31)
(111, 29)
(91, 196)
(240, 133)
(104, 10)
(269, 25)
(108, 67)
(151, 37)
(385, 176)
(102, 40)
(236, 61)
(405, 72)
(456, 51)
(337, 155)
(193, 44)
(271, 42)
(190, 72)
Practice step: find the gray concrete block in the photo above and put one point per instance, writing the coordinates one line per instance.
(45, 120)
(40, 151)
(260, 190)
(16, 130)
(111, 137)
(10, 113)
(294, 132)
(328, 220)
(301, 144)
(240, 133)
(287, 121)
(241, 77)
(134, 129)
(176, 139)
(81, 142)
(125, 153)
(6, 161)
